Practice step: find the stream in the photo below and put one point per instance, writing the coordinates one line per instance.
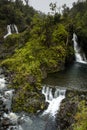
(23, 121)
(54, 89)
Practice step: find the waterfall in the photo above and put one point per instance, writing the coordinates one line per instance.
(2, 84)
(8, 31)
(79, 54)
(6, 113)
(54, 100)
(12, 28)
(22, 121)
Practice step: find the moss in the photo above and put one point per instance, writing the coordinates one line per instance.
(60, 34)
(25, 65)
(28, 99)
(81, 117)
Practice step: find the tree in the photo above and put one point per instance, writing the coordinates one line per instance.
(65, 10)
(53, 7)
(27, 2)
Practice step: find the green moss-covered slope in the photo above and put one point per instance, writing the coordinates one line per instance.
(43, 45)
(81, 116)
(30, 63)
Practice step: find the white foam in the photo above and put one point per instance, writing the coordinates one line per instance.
(2, 83)
(10, 29)
(79, 55)
(9, 94)
(54, 101)
(13, 117)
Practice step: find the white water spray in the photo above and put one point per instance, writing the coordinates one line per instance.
(54, 100)
(12, 28)
(79, 55)
(6, 97)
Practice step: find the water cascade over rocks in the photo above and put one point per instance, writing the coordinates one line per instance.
(79, 54)
(22, 121)
(8, 119)
(12, 28)
(54, 100)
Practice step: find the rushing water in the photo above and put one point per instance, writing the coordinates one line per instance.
(54, 100)
(73, 77)
(12, 28)
(22, 121)
(79, 54)
(18, 121)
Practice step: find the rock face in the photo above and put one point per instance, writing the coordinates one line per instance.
(66, 115)
(4, 122)
(31, 103)
(69, 108)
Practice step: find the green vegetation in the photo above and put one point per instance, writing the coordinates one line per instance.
(29, 62)
(43, 45)
(81, 117)
(38, 49)
(78, 18)
(15, 13)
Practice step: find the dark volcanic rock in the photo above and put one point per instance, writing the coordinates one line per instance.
(6, 122)
(69, 107)
(65, 117)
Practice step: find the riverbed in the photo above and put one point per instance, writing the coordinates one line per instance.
(54, 88)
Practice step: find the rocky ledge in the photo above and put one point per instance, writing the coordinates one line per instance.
(66, 118)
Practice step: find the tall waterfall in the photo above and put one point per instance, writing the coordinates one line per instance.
(12, 28)
(54, 100)
(79, 54)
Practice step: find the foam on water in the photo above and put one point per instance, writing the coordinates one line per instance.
(79, 54)
(54, 100)
(22, 121)
(2, 84)
(12, 28)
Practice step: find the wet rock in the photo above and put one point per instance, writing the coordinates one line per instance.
(12, 128)
(65, 117)
(6, 110)
(6, 122)
(1, 102)
(1, 128)
(69, 108)
(1, 113)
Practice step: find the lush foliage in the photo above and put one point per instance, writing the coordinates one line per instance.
(38, 49)
(42, 46)
(77, 16)
(81, 117)
(15, 13)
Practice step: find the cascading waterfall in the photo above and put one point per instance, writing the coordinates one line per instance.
(12, 28)
(22, 121)
(5, 108)
(54, 100)
(79, 54)
(8, 31)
